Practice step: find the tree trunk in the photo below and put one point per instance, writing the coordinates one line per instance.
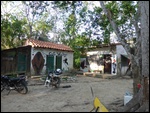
(136, 75)
(145, 51)
(140, 100)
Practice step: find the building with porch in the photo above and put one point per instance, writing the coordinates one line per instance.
(106, 59)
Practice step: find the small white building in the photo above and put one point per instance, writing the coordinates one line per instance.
(48, 56)
(36, 57)
(107, 59)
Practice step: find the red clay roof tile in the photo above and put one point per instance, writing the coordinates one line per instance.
(44, 44)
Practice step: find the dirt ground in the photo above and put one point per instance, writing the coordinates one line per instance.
(77, 98)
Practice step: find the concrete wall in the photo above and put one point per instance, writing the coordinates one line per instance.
(93, 64)
(121, 51)
(45, 52)
(116, 64)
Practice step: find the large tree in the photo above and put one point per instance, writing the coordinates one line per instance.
(12, 31)
(140, 58)
(33, 20)
(36, 13)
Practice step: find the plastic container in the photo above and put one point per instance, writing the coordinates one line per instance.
(127, 97)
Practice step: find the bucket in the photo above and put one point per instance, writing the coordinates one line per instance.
(127, 98)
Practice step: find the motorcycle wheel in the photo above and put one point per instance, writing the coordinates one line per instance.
(22, 87)
(57, 82)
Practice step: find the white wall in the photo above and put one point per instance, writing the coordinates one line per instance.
(45, 52)
(123, 70)
(116, 54)
(100, 51)
(121, 51)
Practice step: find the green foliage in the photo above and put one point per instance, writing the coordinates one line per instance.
(79, 44)
(42, 28)
(11, 31)
(66, 5)
(128, 8)
(70, 25)
(76, 61)
(83, 11)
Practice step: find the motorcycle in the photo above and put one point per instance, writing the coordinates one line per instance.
(53, 78)
(18, 84)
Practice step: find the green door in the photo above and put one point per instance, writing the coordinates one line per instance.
(22, 62)
(59, 62)
(50, 63)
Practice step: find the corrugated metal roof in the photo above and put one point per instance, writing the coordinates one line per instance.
(44, 44)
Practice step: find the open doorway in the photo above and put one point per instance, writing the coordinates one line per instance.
(107, 63)
(124, 64)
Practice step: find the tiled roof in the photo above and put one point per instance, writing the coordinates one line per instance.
(44, 44)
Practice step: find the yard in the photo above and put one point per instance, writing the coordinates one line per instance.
(77, 98)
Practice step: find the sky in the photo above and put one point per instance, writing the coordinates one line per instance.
(10, 7)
